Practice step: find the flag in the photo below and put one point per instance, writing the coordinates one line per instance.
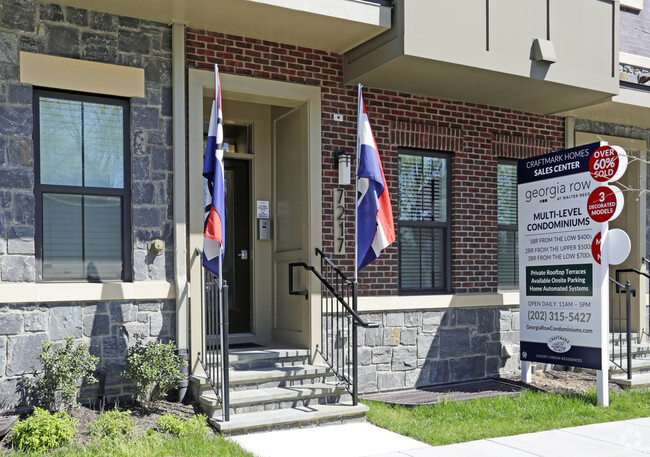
(375, 228)
(214, 235)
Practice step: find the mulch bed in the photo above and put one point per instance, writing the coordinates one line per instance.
(143, 418)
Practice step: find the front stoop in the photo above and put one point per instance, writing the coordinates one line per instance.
(640, 363)
(276, 388)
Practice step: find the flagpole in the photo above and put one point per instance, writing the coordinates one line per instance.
(356, 190)
(223, 339)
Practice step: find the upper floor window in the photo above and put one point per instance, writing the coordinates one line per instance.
(424, 222)
(82, 186)
(508, 247)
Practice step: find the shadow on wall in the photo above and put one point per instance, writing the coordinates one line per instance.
(421, 348)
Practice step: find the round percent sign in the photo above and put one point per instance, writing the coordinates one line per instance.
(608, 163)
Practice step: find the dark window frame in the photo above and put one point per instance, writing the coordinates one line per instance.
(124, 193)
(445, 226)
(507, 228)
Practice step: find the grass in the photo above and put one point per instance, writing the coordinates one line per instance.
(456, 422)
(150, 446)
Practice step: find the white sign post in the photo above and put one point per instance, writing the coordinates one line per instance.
(563, 272)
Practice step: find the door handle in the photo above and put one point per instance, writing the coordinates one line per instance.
(243, 254)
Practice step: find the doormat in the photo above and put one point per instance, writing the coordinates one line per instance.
(462, 391)
(245, 345)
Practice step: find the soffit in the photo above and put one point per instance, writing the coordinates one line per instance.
(334, 25)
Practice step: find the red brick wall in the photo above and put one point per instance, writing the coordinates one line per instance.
(476, 135)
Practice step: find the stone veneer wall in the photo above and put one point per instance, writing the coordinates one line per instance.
(107, 328)
(427, 347)
(76, 33)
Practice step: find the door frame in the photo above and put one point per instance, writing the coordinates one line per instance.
(254, 90)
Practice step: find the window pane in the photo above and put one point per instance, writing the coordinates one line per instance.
(62, 237)
(422, 257)
(422, 188)
(103, 237)
(60, 142)
(507, 193)
(508, 258)
(103, 146)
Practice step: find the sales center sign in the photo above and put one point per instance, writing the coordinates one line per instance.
(564, 204)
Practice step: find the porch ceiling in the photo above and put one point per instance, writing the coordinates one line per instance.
(452, 81)
(334, 25)
(630, 107)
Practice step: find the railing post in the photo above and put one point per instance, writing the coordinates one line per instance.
(355, 361)
(628, 312)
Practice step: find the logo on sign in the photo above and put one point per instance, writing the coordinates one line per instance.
(559, 344)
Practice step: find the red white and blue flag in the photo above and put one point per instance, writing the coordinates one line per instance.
(375, 228)
(214, 236)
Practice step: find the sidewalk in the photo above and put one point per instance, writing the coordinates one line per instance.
(611, 439)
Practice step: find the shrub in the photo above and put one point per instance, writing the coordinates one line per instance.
(178, 426)
(42, 431)
(154, 368)
(113, 424)
(64, 368)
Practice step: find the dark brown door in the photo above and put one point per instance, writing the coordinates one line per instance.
(237, 260)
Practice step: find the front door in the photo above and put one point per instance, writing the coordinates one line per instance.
(236, 262)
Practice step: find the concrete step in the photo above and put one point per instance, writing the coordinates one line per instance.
(247, 401)
(638, 350)
(638, 380)
(302, 416)
(265, 378)
(638, 366)
(622, 337)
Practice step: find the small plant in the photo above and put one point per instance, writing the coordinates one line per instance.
(42, 431)
(112, 425)
(154, 368)
(64, 368)
(178, 426)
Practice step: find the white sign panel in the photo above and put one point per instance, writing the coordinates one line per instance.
(560, 275)
(263, 209)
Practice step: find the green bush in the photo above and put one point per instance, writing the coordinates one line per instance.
(112, 425)
(42, 431)
(64, 368)
(154, 368)
(178, 426)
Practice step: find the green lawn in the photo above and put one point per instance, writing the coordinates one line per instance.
(150, 446)
(455, 422)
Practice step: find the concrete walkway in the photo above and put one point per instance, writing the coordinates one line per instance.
(612, 439)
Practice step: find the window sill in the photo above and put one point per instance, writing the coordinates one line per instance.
(413, 302)
(84, 291)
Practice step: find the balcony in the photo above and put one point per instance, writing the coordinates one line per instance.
(540, 56)
(332, 25)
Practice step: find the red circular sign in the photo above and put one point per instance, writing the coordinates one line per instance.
(595, 248)
(601, 204)
(603, 163)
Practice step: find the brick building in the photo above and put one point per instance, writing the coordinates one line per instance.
(452, 107)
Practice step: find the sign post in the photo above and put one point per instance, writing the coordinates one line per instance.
(563, 268)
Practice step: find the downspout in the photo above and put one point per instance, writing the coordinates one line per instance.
(180, 202)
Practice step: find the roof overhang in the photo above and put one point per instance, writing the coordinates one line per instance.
(332, 25)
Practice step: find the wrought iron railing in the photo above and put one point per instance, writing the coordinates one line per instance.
(339, 320)
(214, 338)
(620, 327)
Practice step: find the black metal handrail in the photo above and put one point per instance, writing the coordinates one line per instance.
(617, 290)
(340, 319)
(214, 338)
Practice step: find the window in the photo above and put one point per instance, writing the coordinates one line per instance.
(508, 247)
(424, 222)
(82, 187)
